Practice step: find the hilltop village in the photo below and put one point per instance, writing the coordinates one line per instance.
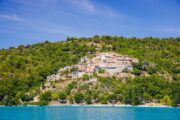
(91, 80)
(105, 65)
(111, 64)
(86, 73)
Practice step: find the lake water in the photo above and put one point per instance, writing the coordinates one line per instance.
(89, 113)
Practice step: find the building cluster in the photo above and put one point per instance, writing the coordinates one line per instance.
(111, 63)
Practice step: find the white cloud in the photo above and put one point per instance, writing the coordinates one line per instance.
(89, 7)
(55, 30)
(12, 17)
(83, 5)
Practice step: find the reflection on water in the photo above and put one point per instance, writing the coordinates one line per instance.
(88, 113)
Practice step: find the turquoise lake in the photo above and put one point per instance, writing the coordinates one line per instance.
(89, 113)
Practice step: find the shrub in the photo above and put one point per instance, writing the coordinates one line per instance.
(152, 70)
(45, 96)
(71, 99)
(86, 77)
(43, 102)
(62, 96)
(137, 72)
(78, 97)
(54, 96)
(88, 99)
(166, 100)
(102, 71)
(104, 99)
(26, 97)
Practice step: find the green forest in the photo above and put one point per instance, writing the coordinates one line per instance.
(25, 68)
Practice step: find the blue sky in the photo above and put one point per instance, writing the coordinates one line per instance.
(31, 21)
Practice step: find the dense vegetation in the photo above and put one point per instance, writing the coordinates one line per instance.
(24, 69)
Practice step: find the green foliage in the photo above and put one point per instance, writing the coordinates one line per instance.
(104, 99)
(102, 71)
(176, 92)
(112, 97)
(86, 77)
(78, 97)
(166, 100)
(95, 95)
(43, 102)
(137, 65)
(25, 68)
(147, 96)
(70, 87)
(146, 88)
(71, 99)
(45, 96)
(152, 70)
(26, 97)
(62, 96)
(137, 72)
(54, 96)
(9, 101)
(88, 99)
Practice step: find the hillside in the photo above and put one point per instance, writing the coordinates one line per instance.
(24, 70)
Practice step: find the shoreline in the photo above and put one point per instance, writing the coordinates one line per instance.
(109, 105)
(93, 105)
(102, 105)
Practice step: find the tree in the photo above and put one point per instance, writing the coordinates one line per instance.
(86, 77)
(26, 97)
(137, 72)
(62, 96)
(175, 92)
(71, 99)
(166, 100)
(112, 97)
(137, 97)
(151, 70)
(78, 97)
(104, 99)
(95, 95)
(147, 96)
(137, 65)
(88, 99)
(10, 100)
(120, 98)
(45, 96)
(133, 94)
(70, 87)
(102, 71)
(54, 96)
